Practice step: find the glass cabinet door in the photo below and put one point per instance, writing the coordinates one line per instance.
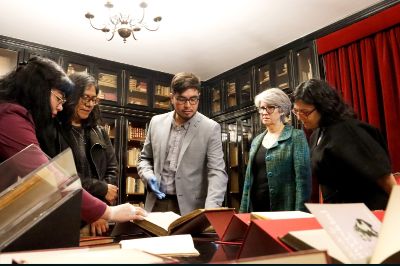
(74, 67)
(216, 99)
(8, 60)
(233, 167)
(245, 87)
(111, 126)
(282, 73)
(231, 97)
(30, 53)
(134, 186)
(304, 68)
(108, 85)
(162, 96)
(138, 91)
(263, 78)
(247, 137)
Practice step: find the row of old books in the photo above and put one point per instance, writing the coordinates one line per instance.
(107, 80)
(162, 104)
(137, 133)
(231, 88)
(134, 86)
(133, 157)
(142, 100)
(162, 90)
(134, 186)
(106, 95)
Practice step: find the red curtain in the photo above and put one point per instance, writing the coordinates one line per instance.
(367, 72)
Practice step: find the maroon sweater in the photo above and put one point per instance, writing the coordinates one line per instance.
(17, 131)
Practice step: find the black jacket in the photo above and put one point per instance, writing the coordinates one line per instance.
(101, 156)
(348, 161)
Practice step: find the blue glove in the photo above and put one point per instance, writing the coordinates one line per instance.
(153, 186)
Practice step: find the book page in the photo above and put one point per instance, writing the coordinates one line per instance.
(162, 219)
(280, 215)
(112, 255)
(319, 239)
(177, 245)
(352, 226)
(389, 236)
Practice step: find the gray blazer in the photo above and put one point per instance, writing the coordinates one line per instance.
(200, 179)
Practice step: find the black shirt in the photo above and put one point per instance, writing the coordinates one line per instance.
(260, 189)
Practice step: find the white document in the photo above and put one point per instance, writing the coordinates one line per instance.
(352, 234)
(104, 255)
(352, 226)
(389, 236)
(319, 239)
(281, 215)
(176, 245)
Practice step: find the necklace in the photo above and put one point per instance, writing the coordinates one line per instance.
(79, 134)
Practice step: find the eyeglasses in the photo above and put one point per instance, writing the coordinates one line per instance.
(87, 99)
(269, 109)
(60, 99)
(191, 100)
(303, 113)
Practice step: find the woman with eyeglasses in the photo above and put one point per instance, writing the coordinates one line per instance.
(93, 151)
(349, 157)
(278, 175)
(30, 99)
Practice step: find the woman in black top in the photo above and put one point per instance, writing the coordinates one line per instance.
(94, 154)
(349, 157)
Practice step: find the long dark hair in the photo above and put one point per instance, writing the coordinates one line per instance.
(30, 84)
(326, 100)
(81, 80)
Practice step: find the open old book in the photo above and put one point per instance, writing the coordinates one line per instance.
(170, 223)
(352, 233)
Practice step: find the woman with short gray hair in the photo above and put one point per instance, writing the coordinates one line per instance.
(275, 97)
(278, 175)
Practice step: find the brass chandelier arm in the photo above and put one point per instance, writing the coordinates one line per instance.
(143, 8)
(150, 29)
(112, 36)
(90, 16)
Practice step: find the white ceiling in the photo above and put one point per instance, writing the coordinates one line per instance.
(206, 37)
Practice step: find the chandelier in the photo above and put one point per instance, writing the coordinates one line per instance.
(125, 25)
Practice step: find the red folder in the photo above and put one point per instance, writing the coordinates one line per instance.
(379, 214)
(220, 220)
(236, 229)
(262, 239)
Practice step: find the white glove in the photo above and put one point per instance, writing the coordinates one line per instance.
(126, 212)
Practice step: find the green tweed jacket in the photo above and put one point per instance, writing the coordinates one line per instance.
(288, 170)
